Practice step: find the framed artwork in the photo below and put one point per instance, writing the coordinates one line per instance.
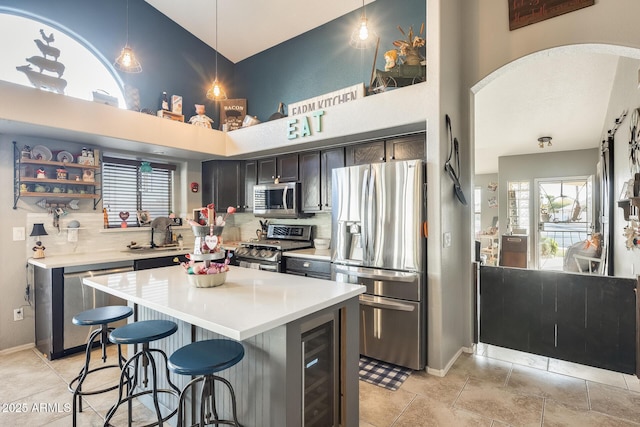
(144, 218)
(493, 186)
(526, 12)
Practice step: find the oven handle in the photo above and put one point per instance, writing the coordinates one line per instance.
(386, 305)
(369, 273)
(268, 267)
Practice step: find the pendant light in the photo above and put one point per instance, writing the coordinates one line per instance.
(216, 91)
(127, 61)
(363, 37)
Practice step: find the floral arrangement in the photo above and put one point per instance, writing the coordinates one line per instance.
(214, 268)
(409, 48)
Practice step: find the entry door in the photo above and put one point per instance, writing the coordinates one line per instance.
(565, 217)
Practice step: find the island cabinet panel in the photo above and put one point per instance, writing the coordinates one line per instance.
(405, 148)
(222, 183)
(250, 179)
(369, 152)
(270, 379)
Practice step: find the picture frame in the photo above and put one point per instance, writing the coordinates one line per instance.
(144, 218)
(199, 217)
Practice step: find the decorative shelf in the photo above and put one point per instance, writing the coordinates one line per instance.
(629, 207)
(57, 181)
(50, 195)
(60, 164)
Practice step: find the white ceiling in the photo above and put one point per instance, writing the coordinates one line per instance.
(247, 27)
(562, 96)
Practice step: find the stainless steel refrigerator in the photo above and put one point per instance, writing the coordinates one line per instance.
(378, 241)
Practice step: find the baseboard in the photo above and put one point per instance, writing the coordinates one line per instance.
(443, 372)
(16, 349)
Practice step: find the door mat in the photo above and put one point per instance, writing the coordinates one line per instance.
(382, 374)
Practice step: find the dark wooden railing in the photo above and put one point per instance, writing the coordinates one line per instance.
(585, 319)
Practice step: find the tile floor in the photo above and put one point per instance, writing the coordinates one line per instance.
(498, 387)
(495, 387)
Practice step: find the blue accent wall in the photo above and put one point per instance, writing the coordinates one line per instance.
(321, 60)
(177, 62)
(173, 60)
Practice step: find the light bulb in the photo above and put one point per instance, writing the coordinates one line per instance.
(126, 58)
(216, 90)
(364, 31)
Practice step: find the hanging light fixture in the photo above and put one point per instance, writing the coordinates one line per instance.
(127, 61)
(544, 140)
(362, 37)
(216, 91)
(146, 171)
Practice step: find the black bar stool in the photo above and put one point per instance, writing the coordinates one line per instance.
(98, 316)
(205, 358)
(143, 332)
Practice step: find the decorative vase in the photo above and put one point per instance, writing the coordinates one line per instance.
(412, 58)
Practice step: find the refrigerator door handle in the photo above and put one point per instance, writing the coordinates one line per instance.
(387, 304)
(364, 238)
(369, 273)
(370, 217)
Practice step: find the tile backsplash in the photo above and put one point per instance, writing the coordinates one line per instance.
(92, 237)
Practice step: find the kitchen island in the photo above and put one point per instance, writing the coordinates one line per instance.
(278, 318)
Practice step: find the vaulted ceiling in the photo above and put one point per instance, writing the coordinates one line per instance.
(562, 96)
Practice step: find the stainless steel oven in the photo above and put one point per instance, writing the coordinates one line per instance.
(266, 254)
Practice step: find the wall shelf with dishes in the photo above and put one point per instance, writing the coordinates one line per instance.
(37, 175)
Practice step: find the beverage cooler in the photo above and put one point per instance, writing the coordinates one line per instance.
(320, 385)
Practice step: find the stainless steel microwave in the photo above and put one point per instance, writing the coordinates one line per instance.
(280, 200)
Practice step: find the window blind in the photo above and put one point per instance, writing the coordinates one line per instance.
(126, 189)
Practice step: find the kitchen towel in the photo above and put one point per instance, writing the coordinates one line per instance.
(382, 374)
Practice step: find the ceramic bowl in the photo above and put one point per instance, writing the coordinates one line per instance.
(207, 280)
(321, 243)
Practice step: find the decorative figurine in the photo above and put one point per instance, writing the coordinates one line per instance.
(390, 58)
(41, 173)
(200, 119)
(38, 250)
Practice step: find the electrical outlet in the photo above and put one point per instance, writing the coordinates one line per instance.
(18, 233)
(446, 239)
(18, 314)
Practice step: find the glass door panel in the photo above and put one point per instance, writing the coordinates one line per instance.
(564, 218)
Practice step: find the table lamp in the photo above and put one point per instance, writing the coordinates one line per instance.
(38, 230)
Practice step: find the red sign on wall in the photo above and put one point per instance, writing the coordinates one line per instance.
(525, 12)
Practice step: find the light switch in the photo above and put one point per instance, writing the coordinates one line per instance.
(18, 233)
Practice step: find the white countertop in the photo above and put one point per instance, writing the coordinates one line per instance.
(99, 257)
(312, 253)
(249, 303)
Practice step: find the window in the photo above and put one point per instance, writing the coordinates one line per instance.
(24, 41)
(126, 189)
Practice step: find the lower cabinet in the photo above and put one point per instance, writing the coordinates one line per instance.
(308, 267)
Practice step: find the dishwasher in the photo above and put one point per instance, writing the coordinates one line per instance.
(60, 295)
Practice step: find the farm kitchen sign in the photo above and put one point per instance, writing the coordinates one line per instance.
(327, 100)
(525, 12)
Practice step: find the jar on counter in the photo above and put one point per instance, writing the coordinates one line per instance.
(62, 173)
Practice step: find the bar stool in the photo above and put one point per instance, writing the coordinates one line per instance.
(205, 358)
(98, 316)
(143, 332)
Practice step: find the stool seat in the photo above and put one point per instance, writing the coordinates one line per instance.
(206, 357)
(102, 315)
(143, 332)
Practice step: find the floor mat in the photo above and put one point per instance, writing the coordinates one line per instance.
(382, 374)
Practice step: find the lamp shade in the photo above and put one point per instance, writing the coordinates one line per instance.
(38, 230)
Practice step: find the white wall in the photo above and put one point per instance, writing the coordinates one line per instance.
(487, 212)
(624, 96)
